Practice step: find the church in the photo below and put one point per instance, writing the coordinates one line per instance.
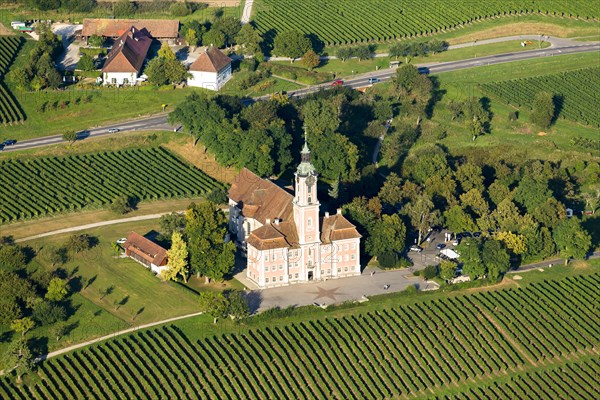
(284, 237)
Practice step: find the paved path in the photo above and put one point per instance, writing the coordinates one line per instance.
(110, 336)
(94, 225)
(547, 263)
(247, 12)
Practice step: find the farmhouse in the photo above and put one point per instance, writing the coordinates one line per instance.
(126, 58)
(159, 29)
(283, 235)
(146, 252)
(211, 70)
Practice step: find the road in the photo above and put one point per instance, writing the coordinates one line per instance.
(159, 122)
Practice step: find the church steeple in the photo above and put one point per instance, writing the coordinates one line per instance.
(305, 168)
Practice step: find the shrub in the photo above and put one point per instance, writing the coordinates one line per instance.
(430, 272)
(513, 116)
(387, 260)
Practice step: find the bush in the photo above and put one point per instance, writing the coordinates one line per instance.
(430, 272)
(180, 9)
(513, 116)
(387, 260)
(249, 64)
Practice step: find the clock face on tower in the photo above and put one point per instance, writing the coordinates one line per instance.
(310, 180)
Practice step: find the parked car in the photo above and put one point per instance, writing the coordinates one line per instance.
(113, 130)
(440, 246)
(337, 82)
(476, 234)
(9, 142)
(1, 147)
(416, 248)
(455, 242)
(466, 234)
(374, 80)
(122, 240)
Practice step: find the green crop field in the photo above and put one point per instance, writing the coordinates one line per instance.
(38, 186)
(10, 111)
(352, 21)
(578, 93)
(505, 341)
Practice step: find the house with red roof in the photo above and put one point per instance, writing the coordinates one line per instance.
(211, 70)
(126, 58)
(159, 29)
(146, 252)
(285, 239)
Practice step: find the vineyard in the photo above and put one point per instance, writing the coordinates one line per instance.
(578, 93)
(39, 186)
(10, 111)
(351, 21)
(415, 350)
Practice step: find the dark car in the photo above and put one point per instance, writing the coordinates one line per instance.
(1, 147)
(466, 234)
(9, 142)
(476, 234)
(337, 82)
(440, 246)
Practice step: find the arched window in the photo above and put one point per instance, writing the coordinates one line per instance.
(309, 220)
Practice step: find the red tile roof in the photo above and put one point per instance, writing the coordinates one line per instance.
(146, 249)
(211, 60)
(157, 28)
(337, 227)
(128, 52)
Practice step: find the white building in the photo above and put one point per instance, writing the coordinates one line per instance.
(285, 238)
(211, 70)
(126, 58)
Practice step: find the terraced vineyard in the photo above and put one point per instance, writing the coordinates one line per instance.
(10, 111)
(39, 186)
(351, 21)
(528, 337)
(579, 93)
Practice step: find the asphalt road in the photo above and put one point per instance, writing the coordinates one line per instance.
(159, 122)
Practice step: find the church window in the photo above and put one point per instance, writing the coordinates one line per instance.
(345, 269)
(353, 257)
(266, 280)
(346, 246)
(310, 250)
(296, 275)
(309, 189)
(281, 278)
(353, 246)
(290, 276)
(267, 268)
(267, 258)
(309, 199)
(280, 266)
(339, 270)
(310, 221)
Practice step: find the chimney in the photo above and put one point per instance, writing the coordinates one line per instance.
(132, 29)
(339, 211)
(268, 221)
(326, 214)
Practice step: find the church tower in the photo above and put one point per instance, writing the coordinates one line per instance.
(306, 204)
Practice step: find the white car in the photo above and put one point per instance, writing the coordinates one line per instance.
(113, 130)
(416, 248)
(455, 242)
(122, 240)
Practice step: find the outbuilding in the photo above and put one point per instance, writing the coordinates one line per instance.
(146, 252)
(211, 70)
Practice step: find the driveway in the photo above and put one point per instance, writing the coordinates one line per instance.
(70, 57)
(337, 290)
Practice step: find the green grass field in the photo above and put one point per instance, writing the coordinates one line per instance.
(469, 345)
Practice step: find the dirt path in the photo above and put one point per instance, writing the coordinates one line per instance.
(94, 225)
(247, 13)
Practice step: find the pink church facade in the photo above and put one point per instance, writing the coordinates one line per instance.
(285, 238)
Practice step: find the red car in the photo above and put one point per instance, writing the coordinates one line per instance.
(337, 82)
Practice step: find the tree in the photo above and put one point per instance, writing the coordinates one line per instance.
(170, 223)
(470, 176)
(58, 330)
(19, 357)
(192, 38)
(291, 44)
(470, 255)
(165, 52)
(12, 257)
(206, 227)
(79, 242)
(178, 256)
(47, 313)
(320, 116)
(390, 193)
(343, 53)
(121, 204)
(86, 63)
(16, 292)
(398, 50)
(123, 8)
(477, 118)
(362, 52)
(249, 38)
(572, 241)
(180, 9)
(447, 269)
(387, 235)
(430, 272)
(214, 304)
(175, 71)
(57, 289)
(238, 305)
(229, 26)
(514, 242)
(311, 60)
(532, 192)
(495, 258)
(57, 255)
(214, 37)
(70, 136)
(405, 78)
(543, 110)
(437, 46)
(473, 200)
(96, 41)
(458, 220)
(422, 214)
(22, 325)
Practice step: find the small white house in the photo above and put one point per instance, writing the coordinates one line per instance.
(211, 70)
(126, 58)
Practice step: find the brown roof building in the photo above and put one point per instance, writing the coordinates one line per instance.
(211, 70)
(146, 252)
(114, 28)
(211, 60)
(285, 239)
(126, 58)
